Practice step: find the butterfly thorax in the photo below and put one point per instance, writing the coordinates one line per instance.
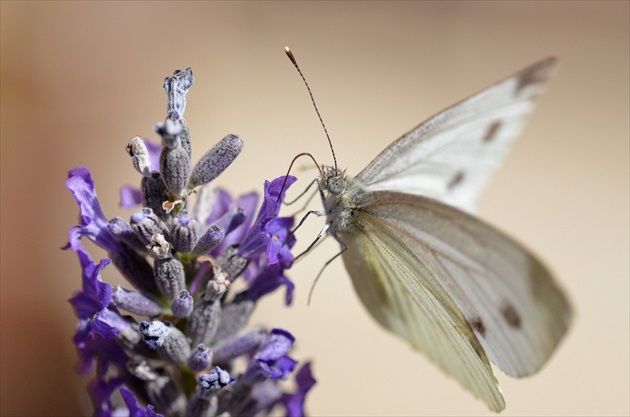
(340, 193)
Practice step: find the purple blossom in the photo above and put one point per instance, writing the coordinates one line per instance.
(93, 222)
(182, 266)
(260, 237)
(294, 403)
(132, 405)
(272, 356)
(130, 196)
(268, 280)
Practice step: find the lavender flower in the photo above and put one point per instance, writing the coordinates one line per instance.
(172, 345)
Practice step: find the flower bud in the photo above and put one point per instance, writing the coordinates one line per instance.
(139, 156)
(135, 302)
(183, 305)
(201, 359)
(169, 340)
(211, 239)
(216, 160)
(154, 194)
(169, 277)
(204, 322)
(176, 88)
(146, 224)
(185, 233)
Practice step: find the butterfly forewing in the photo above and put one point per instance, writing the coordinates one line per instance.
(507, 298)
(451, 156)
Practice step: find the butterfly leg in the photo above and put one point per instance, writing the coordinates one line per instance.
(318, 213)
(319, 235)
(344, 247)
(288, 203)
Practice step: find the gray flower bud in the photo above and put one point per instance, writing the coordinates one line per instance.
(146, 224)
(135, 269)
(204, 322)
(201, 359)
(154, 194)
(135, 302)
(211, 239)
(237, 346)
(232, 263)
(183, 305)
(139, 156)
(123, 232)
(169, 277)
(216, 160)
(169, 340)
(234, 318)
(176, 88)
(175, 169)
(185, 233)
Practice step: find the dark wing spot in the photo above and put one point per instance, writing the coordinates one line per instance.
(478, 326)
(456, 180)
(491, 133)
(511, 316)
(533, 75)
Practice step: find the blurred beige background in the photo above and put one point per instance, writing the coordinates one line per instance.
(80, 79)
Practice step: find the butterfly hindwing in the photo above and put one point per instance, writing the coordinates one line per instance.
(507, 298)
(400, 293)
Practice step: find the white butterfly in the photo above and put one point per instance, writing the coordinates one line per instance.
(451, 285)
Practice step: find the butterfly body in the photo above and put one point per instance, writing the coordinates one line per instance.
(430, 272)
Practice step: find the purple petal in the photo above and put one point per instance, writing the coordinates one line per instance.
(93, 221)
(101, 392)
(154, 153)
(95, 294)
(93, 348)
(272, 357)
(130, 196)
(248, 203)
(257, 239)
(278, 344)
(268, 281)
(136, 410)
(295, 402)
(280, 242)
(278, 369)
(220, 206)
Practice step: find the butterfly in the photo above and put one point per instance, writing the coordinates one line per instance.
(426, 269)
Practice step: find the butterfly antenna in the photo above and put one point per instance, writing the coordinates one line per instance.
(310, 93)
(289, 171)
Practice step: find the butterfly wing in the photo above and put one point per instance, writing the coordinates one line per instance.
(451, 156)
(454, 288)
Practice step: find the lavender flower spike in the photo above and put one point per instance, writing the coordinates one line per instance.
(188, 317)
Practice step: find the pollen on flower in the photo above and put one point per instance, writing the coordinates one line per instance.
(188, 321)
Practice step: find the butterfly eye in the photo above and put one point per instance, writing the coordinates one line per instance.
(336, 185)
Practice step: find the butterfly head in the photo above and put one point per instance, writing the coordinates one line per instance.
(334, 180)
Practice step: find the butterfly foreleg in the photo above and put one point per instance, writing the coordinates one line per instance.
(288, 203)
